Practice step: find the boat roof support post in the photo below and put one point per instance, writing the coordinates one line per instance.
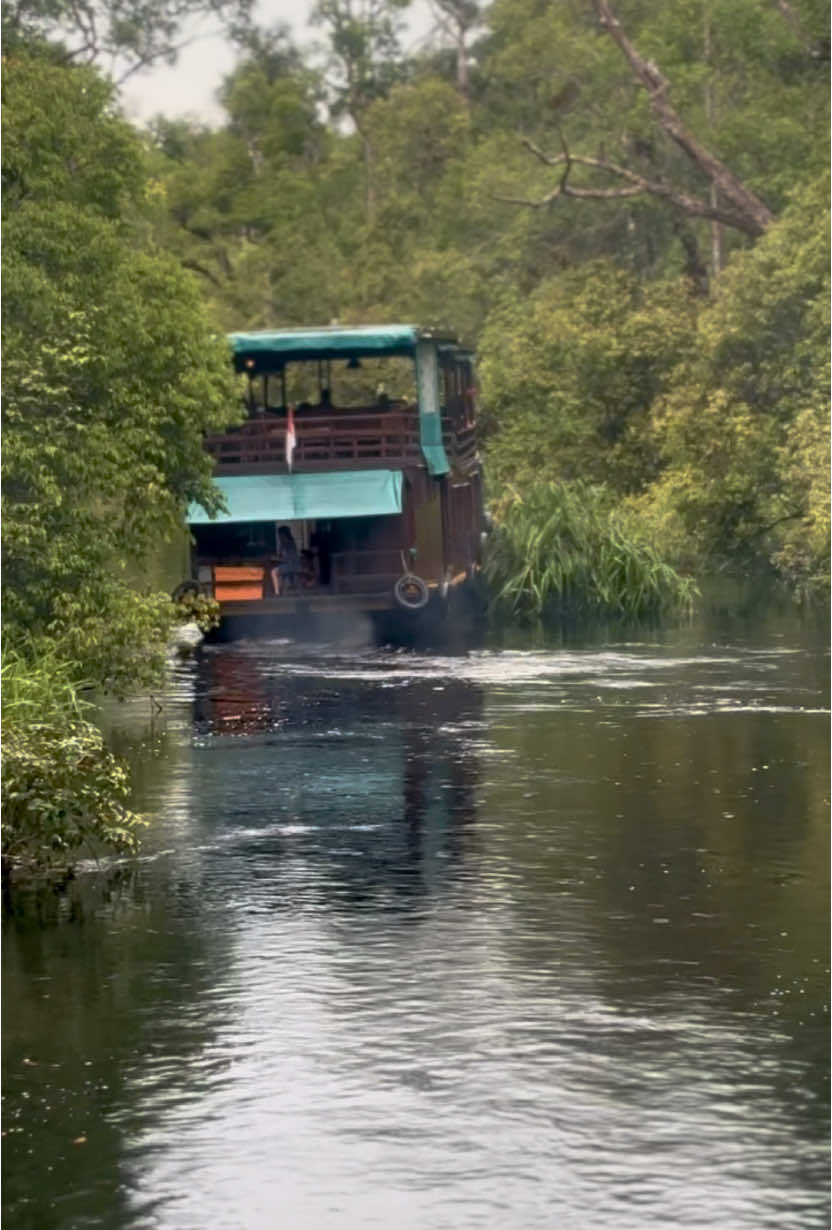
(430, 415)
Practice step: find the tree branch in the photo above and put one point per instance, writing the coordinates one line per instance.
(639, 185)
(793, 22)
(206, 273)
(795, 515)
(84, 18)
(757, 215)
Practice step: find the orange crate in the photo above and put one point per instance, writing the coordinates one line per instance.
(238, 584)
(238, 573)
(238, 593)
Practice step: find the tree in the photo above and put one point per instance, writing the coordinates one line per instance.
(365, 54)
(112, 373)
(456, 19)
(258, 209)
(120, 37)
(365, 61)
(744, 429)
(706, 111)
(570, 376)
(744, 210)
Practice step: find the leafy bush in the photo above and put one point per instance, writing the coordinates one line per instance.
(200, 609)
(62, 791)
(743, 431)
(565, 548)
(113, 373)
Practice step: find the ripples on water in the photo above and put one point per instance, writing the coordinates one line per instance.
(504, 940)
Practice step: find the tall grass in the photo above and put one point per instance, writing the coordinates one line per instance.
(40, 686)
(566, 549)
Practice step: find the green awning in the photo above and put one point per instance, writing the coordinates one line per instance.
(286, 345)
(298, 497)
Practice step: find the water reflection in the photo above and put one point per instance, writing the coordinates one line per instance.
(376, 784)
(108, 1002)
(508, 939)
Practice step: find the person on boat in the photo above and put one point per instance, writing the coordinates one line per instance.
(286, 571)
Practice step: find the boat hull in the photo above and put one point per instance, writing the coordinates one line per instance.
(356, 619)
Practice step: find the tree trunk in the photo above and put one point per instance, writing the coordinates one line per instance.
(461, 60)
(729, 188)
(716, 229)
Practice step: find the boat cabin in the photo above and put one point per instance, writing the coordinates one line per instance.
(354, 482)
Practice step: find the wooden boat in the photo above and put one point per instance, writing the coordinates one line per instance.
(360, 443)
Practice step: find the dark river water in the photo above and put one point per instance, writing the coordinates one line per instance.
(532, 937)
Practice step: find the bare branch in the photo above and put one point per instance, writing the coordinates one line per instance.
(441, 18)
(757, 215)
(548, 159)
(84, 18)
(521, 200)
(793, 22)
(639, 185)
(205, 273)
(567, 162)
(86, 49)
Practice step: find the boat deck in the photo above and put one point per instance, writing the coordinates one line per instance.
(308, 602)
(312, 601)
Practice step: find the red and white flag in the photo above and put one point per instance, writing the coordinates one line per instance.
(290, 436)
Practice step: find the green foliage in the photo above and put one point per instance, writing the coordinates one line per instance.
(126, 35)
(63, 793)
(625, 341)
(365, 51)
(112, 374)
(200, 609)
(569, 376)
(408, 211)
(614, 347)
(64, 143)
(749, 84)
(565, 549)
(744, 429)
(710, 416)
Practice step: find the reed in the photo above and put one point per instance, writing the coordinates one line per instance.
(566, 549)
(40, 686)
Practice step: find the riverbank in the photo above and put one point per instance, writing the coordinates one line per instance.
(64, 793)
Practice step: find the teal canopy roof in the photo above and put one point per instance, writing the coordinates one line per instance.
(285, 345)
(273, 348)
(298, 497)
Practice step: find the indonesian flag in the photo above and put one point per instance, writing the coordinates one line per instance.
(290, 436)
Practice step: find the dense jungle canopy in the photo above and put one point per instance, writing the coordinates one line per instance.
(625, 208)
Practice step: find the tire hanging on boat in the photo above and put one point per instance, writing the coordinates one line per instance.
(185, 588)
(411, 592)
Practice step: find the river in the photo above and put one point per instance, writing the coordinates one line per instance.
(535, 936)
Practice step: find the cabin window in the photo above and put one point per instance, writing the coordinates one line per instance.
(343, 384)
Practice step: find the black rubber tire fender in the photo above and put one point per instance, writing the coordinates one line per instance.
(185, 588)
(411, 592)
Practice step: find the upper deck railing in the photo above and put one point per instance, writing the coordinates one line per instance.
(354, 439)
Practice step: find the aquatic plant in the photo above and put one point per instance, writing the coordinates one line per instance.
(63, 793)
(566, 548)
